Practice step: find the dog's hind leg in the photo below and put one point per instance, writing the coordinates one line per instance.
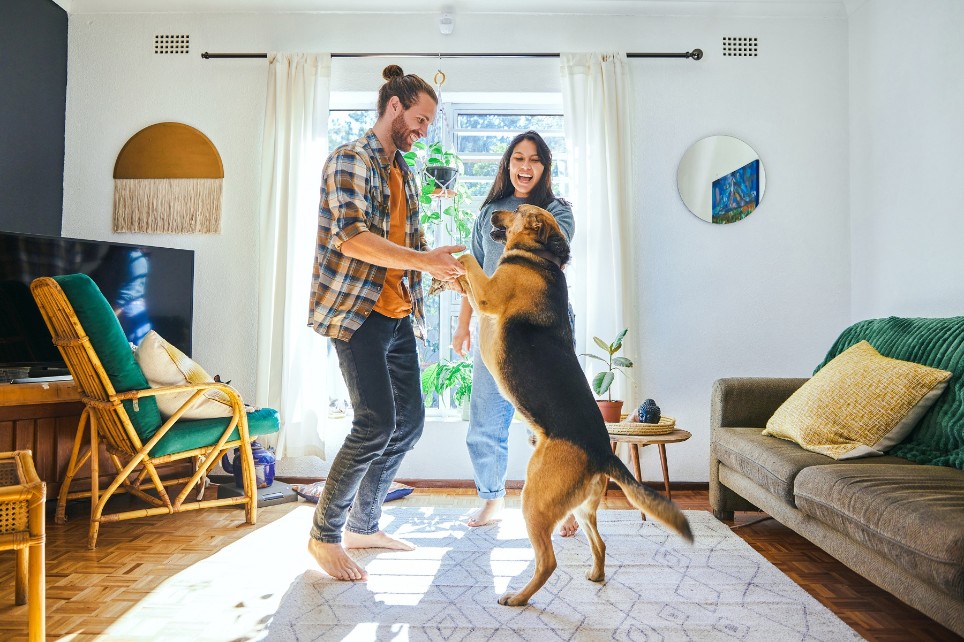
(586, 515)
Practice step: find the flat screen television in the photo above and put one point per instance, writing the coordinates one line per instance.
(148, 287)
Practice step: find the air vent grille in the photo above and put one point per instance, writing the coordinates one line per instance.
(172, 44)
(739, 46)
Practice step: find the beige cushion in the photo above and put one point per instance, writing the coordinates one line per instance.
(911, 514)
(165, 365)
(861, 403)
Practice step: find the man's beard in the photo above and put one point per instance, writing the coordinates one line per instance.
(401, 135)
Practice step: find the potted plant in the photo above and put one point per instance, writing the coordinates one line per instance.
(438, 170)
(445, 375)
(603, 381)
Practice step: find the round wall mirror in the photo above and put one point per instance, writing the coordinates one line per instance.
(721, 179)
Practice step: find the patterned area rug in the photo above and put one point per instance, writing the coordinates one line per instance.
(657, 587)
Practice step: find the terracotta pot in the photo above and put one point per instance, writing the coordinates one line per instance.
(610, 409)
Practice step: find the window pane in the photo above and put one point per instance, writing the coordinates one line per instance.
(346, 126)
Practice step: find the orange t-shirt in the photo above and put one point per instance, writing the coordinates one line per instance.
(395, 300)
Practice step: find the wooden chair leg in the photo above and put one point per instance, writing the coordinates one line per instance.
(20, 584)
(60, 516)
(36, 606)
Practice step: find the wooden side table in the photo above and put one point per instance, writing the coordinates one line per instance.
(636, 442)
(22, 528)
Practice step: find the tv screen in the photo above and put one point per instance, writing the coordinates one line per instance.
(148, 287)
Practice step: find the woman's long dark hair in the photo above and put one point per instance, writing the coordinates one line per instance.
(541, 194)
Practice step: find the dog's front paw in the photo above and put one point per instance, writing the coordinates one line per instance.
(595, 576)
(511, 599)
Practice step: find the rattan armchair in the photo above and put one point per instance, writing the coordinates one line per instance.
(121, 413)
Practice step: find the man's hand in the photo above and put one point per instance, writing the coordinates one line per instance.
(441, 264)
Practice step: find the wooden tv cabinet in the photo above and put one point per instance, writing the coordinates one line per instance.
(43, 418)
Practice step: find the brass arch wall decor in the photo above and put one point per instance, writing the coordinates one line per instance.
(167, 180)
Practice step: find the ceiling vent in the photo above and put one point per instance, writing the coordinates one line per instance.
(742, 46)
(172, 44)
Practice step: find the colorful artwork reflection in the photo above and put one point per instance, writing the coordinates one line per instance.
(736, 195)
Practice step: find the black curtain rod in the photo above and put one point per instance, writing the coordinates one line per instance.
(696, 54)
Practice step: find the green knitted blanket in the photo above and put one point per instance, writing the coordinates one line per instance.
(938, 439)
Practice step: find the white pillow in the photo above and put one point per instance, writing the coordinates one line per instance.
(165, 365)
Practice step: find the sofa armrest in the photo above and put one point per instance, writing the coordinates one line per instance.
(748, 402)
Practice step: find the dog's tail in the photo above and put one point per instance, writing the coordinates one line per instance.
(648, 500)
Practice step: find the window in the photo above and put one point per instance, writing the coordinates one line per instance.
(480, 135)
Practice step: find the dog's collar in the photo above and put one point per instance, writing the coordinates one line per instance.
(546, 254)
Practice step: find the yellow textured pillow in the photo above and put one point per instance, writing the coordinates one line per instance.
(861, 403)
(165, 365)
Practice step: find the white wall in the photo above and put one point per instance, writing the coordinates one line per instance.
(907, 158)
(765, 296)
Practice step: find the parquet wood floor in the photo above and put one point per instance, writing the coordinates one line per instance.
(88, 590)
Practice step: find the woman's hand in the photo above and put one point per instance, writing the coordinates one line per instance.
(462, 340)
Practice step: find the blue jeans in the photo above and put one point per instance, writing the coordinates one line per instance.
(380, 367)
(490, 415)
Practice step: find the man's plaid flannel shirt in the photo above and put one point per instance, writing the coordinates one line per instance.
(355, 199)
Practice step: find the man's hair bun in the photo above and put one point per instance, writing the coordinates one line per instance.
(392, 71)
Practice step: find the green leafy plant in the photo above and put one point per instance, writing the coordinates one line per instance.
(603, 381)
(455, 214)
(448, 375)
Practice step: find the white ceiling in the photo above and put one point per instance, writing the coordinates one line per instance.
(831, 8)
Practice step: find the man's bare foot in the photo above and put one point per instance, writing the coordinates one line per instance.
(333, 560)
(569, 526)
(490, 513)
(381, 539)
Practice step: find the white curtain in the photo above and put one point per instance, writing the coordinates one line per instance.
(596, 103)
(292, 359)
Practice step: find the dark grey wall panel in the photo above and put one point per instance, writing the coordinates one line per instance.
(33, 75)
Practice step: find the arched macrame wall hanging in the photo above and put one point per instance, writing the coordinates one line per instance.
(167, 180)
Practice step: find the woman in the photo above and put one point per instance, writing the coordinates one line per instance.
(524, 176)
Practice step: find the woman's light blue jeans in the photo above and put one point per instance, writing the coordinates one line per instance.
(490, 416)
(488, 437)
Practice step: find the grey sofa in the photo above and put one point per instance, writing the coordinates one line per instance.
(897, 523)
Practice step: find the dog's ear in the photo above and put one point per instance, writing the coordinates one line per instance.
(540, 231)
(558, 245)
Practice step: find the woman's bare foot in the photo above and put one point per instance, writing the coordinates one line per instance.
(490, 513)
(333, 560)
(569, 526)
(381, 539)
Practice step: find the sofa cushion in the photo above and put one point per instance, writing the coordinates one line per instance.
(770, 462)
(911, 514)
(859, 404)
(939, 343)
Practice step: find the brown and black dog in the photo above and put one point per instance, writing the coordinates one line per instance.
(526, 342)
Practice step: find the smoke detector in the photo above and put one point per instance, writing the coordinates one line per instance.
(446, 23)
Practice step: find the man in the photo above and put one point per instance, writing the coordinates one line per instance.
(366, 295)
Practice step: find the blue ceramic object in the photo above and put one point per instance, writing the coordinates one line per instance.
(263, 465)
(649, 412)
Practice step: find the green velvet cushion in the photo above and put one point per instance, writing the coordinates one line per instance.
(114, 351)
(187, 435)
(938, 439)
